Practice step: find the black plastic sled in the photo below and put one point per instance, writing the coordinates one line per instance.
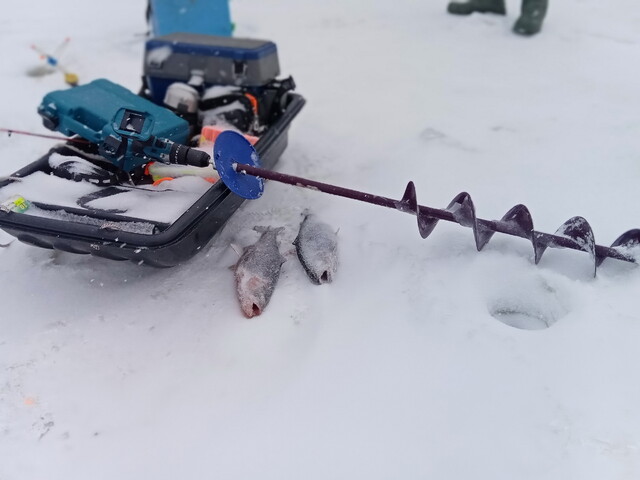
(115, 233)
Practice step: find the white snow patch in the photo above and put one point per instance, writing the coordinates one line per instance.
(159, 55)
(396, 369)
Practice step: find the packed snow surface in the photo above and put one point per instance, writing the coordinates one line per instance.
(164, 202)
(423, 359)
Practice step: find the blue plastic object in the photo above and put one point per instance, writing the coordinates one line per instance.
(210, 17)
(231, 148)
(127, 128)
(86, 111)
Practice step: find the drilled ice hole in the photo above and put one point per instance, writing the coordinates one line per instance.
(515, 316)
(528, 304)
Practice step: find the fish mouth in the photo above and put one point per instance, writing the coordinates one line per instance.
(325, 277)
(251, 310)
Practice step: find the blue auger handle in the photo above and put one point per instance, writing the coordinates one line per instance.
(231, 148)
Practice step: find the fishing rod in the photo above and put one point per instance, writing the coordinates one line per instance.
(11, 131)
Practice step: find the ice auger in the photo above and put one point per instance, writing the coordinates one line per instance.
(238, 166)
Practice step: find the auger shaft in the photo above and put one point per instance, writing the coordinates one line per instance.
(330, 189)
(575, 234)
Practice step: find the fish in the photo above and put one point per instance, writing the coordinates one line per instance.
(257, 272)
(317, 249)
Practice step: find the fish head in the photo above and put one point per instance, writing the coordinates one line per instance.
(320, 261)
(252, 294)
(326, 276)
(324, 272)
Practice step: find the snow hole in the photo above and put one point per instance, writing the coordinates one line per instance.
(528, 304)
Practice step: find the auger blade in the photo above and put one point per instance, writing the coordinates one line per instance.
(575, 233)
(628, 240)
(464, 212)
(409, 204)
(520, 222)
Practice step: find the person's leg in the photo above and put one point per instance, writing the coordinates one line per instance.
(533, 13)
(482, 6)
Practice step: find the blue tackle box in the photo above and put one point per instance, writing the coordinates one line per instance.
(87, 109)
(207, 60)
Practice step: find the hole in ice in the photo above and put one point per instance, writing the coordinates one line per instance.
(527, 304)
(525, 320)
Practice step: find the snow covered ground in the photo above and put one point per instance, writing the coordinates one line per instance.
(408, 366)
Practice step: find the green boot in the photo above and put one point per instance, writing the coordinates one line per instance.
(530, 21)
(482, 6)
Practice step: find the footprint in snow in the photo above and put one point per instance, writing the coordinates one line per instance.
(431, 135)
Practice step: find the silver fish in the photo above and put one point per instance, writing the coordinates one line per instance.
(317, 248)
(257, 272)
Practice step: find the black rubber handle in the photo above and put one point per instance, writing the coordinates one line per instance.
(183, 155)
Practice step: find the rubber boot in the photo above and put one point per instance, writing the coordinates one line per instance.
(482, 6)
(533, 13)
